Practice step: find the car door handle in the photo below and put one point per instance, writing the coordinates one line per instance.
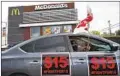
(34, 62)
(81, 59)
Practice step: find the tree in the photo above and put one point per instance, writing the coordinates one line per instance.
(105, 34)
(95, 32)
(118, 32)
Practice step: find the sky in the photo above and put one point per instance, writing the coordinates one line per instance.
(102, 12)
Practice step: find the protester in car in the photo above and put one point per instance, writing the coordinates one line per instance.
(83, 46)
(74, 45)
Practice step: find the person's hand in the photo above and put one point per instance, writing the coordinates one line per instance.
(87, 48)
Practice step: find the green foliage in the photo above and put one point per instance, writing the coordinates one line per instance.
(118, 32)
(105, 34)
(95, 32)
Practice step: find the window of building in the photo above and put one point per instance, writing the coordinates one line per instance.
(47, 30)
(35, 32)
(67, 28)
(56, 29)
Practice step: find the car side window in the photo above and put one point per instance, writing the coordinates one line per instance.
(88, 44)
(51, 44)
(29, 47)
(97, 45)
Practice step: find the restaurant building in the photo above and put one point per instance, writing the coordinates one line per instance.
(25, 22)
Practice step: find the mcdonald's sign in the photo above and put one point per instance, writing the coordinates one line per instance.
(15, 11)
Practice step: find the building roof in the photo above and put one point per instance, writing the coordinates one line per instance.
(48, 23)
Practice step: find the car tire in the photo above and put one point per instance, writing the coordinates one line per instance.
(19, 74)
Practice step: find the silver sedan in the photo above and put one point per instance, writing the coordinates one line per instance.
(63, 55)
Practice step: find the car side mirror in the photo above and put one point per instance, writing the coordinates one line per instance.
(114, 48)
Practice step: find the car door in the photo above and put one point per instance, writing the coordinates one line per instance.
(96, 61)
(103, 58)
(50, 56)
(32, 60)
(79, 59)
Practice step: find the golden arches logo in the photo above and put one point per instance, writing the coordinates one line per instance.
(15, 11)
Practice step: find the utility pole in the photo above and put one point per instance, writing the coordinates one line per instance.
(109, 27)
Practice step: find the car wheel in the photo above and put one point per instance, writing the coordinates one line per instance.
(18, 74)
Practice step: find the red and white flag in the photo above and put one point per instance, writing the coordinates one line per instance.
(83, 25)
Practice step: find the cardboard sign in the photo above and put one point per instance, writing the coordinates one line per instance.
(55, 64)
(102, 65)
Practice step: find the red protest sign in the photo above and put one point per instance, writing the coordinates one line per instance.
(55, 64)
(102, 65)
